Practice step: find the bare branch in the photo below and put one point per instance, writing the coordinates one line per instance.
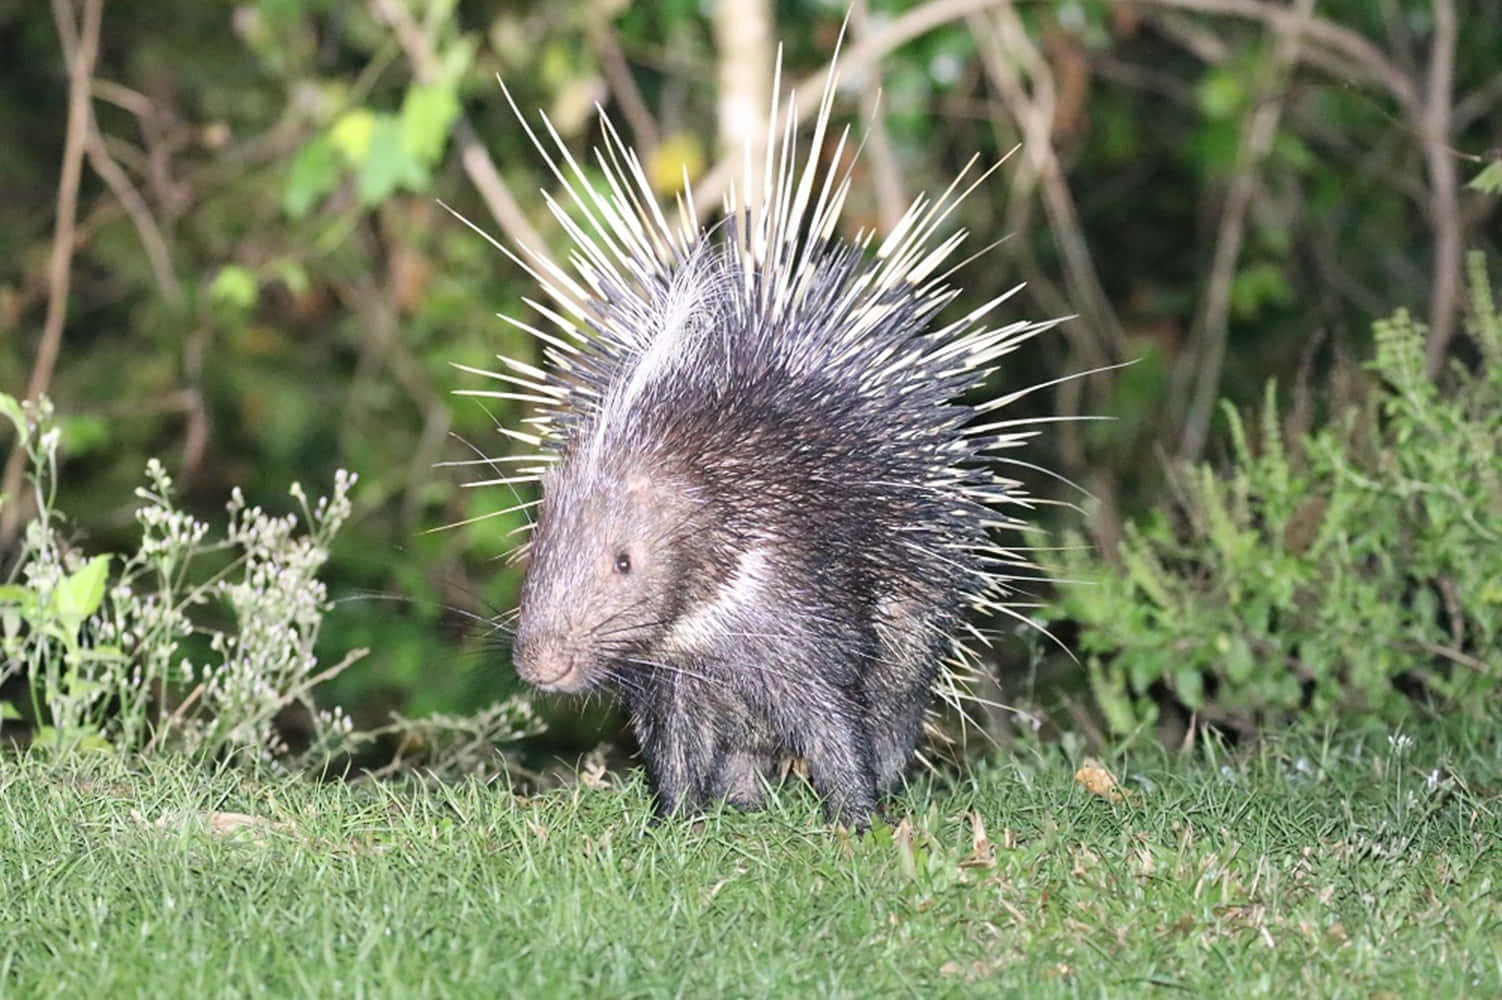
(1444, 203)
(135, 206)
(1212, 325)
(1477, 103)
(857, 59)
(1192, 36)
(886, 177)
(1007, 52)
(743, 38)
(84, 51)
(1319, 33)
(623, 86)
(80, 45)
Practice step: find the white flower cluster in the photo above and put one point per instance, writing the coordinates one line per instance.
(268, 661)
(168, 536)
(102, 651)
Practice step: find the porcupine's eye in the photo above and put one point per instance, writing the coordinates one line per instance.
(622, 562)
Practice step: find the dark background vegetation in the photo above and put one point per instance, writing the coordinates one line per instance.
(259, 286)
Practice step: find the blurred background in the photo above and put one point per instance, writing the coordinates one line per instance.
(258, 284)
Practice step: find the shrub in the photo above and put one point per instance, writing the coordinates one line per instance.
(107, 659)
(1350, 571)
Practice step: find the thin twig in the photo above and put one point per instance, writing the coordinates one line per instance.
(1457, 656)
(81, 48)
(623, 86)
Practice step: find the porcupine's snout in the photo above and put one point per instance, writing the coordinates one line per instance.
(547, 662)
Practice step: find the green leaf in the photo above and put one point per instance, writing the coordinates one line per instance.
(281, 10)
(1257, 286)
(388, 166)
(81, 593)
(428, 113)
(1189, 684)
(102, 654)
(9, 712)
(1489, 181)
(82, 691)
(1212, 147)
(292, 274)
(1236, 659)
(1221, 94)
(83, 433)
(11, 408)
(14, 593)
(352, 133)
(69, 738)
(454, 63)
(314, 173)
(234, 288)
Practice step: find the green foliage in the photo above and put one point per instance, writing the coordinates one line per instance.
(108, 660)
(1489, 180)
(1345, 574)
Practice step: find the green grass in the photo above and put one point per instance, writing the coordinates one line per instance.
(1346, 867)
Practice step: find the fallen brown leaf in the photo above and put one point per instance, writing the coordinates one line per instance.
(1096, 780)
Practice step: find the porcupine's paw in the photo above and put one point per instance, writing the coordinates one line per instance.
(677, 789)
(843, 779)
(855, 819)
(672, 804)
(743, 777)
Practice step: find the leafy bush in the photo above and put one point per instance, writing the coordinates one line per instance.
(108, 661)
(1347, 572)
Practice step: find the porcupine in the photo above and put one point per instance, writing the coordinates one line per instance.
(766, 511)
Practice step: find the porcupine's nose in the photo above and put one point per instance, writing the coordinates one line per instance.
(545, 662)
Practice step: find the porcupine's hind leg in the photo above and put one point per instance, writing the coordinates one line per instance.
(837, 749)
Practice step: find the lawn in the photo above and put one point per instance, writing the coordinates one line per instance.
(1344, 866)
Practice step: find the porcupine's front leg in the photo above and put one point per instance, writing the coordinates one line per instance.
(676, 727)
(676, 763)
(835, 745)
(802, 679)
